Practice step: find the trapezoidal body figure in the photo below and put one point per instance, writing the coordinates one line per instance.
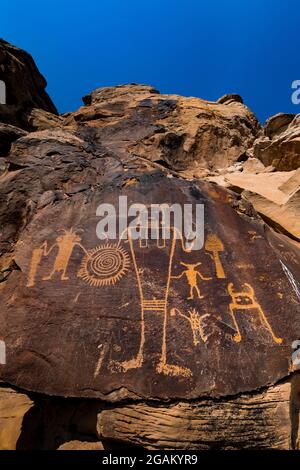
(245, 301)
(65, 244)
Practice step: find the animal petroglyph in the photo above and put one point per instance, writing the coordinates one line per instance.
(195, 321)
(107, 263)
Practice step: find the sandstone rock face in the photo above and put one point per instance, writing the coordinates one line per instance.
(150, 343)
(277, 124)
(280, 146)
(275, 196)
(183, 134)
(204, 424)
(25, 86)
(230, 98)
(80, 445)
(13, 407)
(8, 134)
(189, 327)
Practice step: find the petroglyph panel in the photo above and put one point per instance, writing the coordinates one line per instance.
(150, 318)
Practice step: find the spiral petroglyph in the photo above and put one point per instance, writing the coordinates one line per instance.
(104, 265)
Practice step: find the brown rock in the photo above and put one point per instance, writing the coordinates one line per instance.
(284, 218)
(205, 424)
(13, 408)
(8, 134)
(25, 86)
(277, 124)
(281, 145)
(265, 184)
(180, 133)
(275, 196)
(230, 98)
(253, 165)
(81, 445)
(99, 320)
(39, 119)
(198, 358)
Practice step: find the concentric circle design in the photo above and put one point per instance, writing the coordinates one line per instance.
(104, 265)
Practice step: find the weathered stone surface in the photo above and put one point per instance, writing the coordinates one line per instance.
(81, 445)
(275, 196)
(25, 86)
(285, 217)
(181, 133)
(8, 134)
(258, 421)
(230, 98)
(280, 146)
(201, 359)
(13, 408)
(109, 340)
(278, 123)
(39, 119)
(253, 165)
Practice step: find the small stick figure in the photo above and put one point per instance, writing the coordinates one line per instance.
(191, 274)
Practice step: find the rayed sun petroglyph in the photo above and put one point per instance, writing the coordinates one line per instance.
(105, 265)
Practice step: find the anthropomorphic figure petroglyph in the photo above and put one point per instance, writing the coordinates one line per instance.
(245, 300)
(36, 257)
(65, 244)
(191, 274)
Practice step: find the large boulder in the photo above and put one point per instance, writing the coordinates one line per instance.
(63, 293)
(111, 321)
(121, 342)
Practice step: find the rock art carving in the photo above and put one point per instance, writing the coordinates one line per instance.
(194, 320)
(191, 274)
(65, 244)
(245, 300)
(104, 265)
(214, 245)
(152, 304)
(107, 263)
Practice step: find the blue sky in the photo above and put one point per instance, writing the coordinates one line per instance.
(189, 47)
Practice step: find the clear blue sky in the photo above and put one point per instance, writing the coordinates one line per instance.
(190, 47)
